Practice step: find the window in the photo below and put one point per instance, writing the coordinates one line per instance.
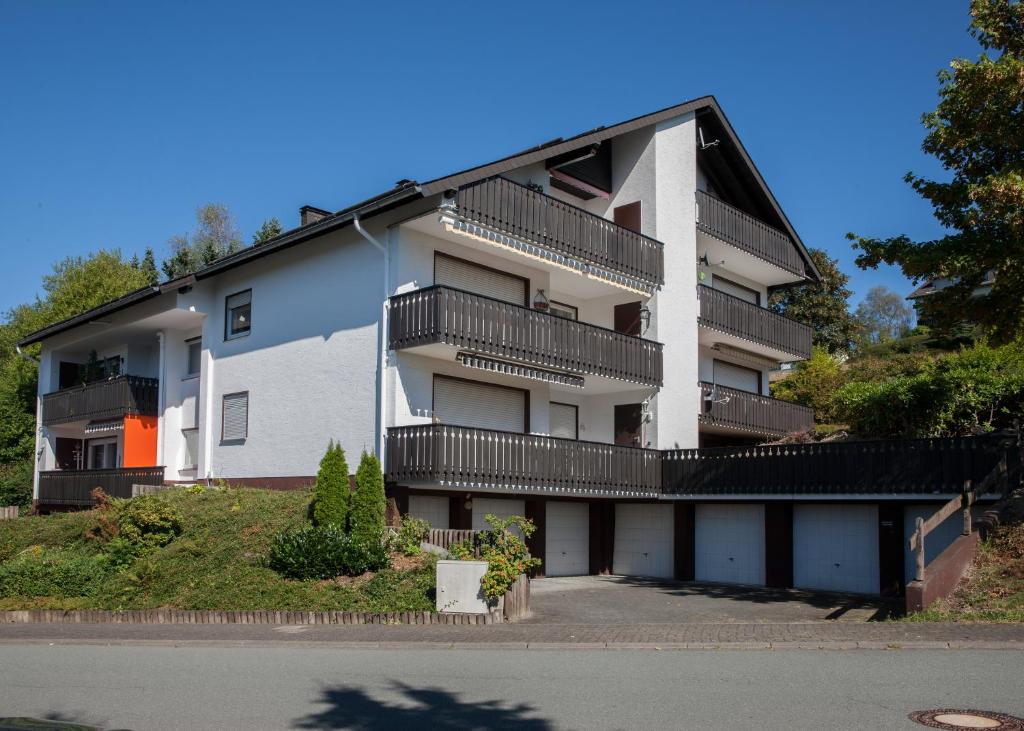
(480, 405)
(238, 315)
(736, 376)
(736, 290)
(195, 355)
(191, 448)
(464, 275)
(102, 454)
(235, 417)
(564, 419)
(559, 309)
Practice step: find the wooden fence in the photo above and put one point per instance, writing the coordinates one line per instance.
(9, 512)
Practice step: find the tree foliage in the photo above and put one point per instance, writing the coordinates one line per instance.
(977, 134)
(823, 305)
(883, 315)
(270, 229)
(215, 236)
(368, 503)
(332, 497)
(813, 383)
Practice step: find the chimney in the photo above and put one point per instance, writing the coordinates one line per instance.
(312, 214)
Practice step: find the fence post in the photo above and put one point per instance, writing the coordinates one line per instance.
(966, 502)
(919, 571)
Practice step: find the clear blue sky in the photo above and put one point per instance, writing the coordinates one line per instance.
(117, 119)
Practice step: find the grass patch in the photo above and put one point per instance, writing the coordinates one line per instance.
(216, 563)
(993, 590)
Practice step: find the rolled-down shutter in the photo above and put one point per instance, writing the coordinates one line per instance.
(480, 405)
(460, 274)
(563, 421)
(738, 377)
(236, 416)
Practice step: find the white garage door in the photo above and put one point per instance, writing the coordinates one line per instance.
(835, 548)
(480, 405)
(567, 539)
(643, 540)
(496, 506)
(431, 508)
(729, 544)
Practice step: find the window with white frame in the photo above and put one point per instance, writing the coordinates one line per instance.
(191, 448)
(238, 315)
(235, 417)
(194, 360)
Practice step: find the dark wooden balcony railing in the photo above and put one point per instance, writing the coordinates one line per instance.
(74, 487)
(753, 412)
(485, 325)
(522, 213)
(912, 466)
(730, 224)
(464, 457)
(102, 400)
(726, 313)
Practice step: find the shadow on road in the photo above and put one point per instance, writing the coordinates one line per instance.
(353, 708)
(55, 722)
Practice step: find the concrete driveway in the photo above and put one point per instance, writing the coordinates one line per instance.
(632, 600)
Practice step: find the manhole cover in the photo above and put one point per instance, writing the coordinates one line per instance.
(956, 720)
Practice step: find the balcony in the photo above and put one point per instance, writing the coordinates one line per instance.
(745, 325)
(919, 467)
(736, 410)
(74, 487)
(472, 322)
(108, 399)
(770, 255)
(466, 458)
(570, 237)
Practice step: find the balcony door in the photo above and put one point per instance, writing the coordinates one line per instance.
(481, 405)
(628, 424)
(102, 454)
(461, 274)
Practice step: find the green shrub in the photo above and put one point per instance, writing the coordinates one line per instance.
(148, 521)
(411, 534)
(812, 383)
(323, 552)
(331, 499)
(505, 553)
(369, 503)
(16, 484)
(51, 572)
(120, 553)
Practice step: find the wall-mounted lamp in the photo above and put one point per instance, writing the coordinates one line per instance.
(540, 301)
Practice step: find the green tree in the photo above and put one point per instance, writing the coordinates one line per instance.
(883, 315)
(270, 229)
(977, 133)
(148, 267)
(331, 498)
(813, 383)
(215, 236)
(822, 305)
(369, 502)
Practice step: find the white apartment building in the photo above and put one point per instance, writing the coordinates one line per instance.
(560, 333)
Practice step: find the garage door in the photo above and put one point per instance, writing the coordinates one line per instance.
(643, 541)
(835, 548)
(729, 544)
(431, 508)
(481, 405)
(464, 275)
(501, 508)
(567, 539)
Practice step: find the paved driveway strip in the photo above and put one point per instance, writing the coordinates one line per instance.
(825, 635)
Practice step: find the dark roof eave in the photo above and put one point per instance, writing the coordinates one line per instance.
(132, 298)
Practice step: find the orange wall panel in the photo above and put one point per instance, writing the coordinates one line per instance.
(140, 441)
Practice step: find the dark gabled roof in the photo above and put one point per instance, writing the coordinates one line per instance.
(408, 190)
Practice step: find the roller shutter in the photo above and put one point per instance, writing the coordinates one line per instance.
(460, 274)
(480, 405)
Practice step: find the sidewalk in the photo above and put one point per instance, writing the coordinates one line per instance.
(803, 635)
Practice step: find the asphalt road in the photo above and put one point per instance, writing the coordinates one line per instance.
(144, 687)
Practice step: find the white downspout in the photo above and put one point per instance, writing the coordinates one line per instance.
(161, 397)
(40, 433)
(383, 354)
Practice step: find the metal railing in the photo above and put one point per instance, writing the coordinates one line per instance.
(522, 213)
(728, 314)
(730, 224)
(466, 457)
(911, 466)
(102, 400)
(752, 412)
(485, 325)
(74, 487)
